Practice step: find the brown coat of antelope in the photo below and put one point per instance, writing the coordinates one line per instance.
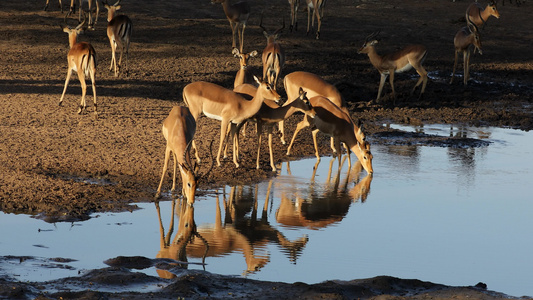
(331, 120)
(244, 75)
(82, 60)
(477, 15)
(273, 55)
(315, 9)
(411, 56)
(465, 39)
(237, 14)
(119, 33)
(222, 104)
(90, 4)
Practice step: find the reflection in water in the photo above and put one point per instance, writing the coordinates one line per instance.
(325, 204)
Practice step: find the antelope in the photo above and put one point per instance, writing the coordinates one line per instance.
(316, 8)
(237, 14)
(90, 4)
(273, 55)
(48, 1)
(271, 113)
(465, 39)
(243, 75)
(179, 129)
(314, 86)
(411, 56)
(294, 14)
(331, 120)
(476, 14)
(119, 32)
(81, 59)
(222, 104)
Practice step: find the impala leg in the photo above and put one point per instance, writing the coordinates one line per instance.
(423, 79)
(304, 123)
(93, 83)
(391, 81)
(235, 135)
(233, 42)
(198, 160)
(69, 73)
(270, 149)
(282, 131)
(332, 145)
(308, 19)
(454, 66)
(241, 36)
(165, 166)
(223, 130)
(466, 66)
(175, 171)
(259, 135)
(338, 150)
(381, 84)
(315, 132)
(83, 104)
(319, 22)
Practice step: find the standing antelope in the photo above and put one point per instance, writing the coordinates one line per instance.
(90, 3)
(273, 55)
(316, 8)
(237, 14)
(119, 33)
(294, 14)
(331, 120)
(400, 61)
(466, 38)
(81, 59)
(179, 129)
(476, 14)
(243, 75)
(271, 113)
(222, 104)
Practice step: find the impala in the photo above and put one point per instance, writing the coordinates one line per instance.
(178, 129)
(273, 55)
(271, 113)
(476, 14)
(237, 14)
(331, 120)
(400, 61)
(81, 59)
(119, 33)
(48, 1)
(466, 38)
(294, 14)
(222, 104)
(316, 9)
(314, 86)
(244, 75)
(90, 3)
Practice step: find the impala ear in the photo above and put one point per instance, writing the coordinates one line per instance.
(257, 80)
(235, 52)
(374, 42)
(253, 53)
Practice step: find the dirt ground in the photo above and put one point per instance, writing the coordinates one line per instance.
(63, 166)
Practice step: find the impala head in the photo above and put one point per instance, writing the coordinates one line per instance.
(243, 57)
(73, 32)
(190, 176)
(493, 9)
(274, 36)
(111, 9)
(267, 90)
(302, 103)
(477, 37)
(362, 151)
(370, 42)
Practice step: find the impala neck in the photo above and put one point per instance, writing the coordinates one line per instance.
(375, 58)
(72, 38)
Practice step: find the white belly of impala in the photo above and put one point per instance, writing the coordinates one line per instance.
(216, 117)
(407, 67)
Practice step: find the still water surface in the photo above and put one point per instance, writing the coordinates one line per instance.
(456, 216)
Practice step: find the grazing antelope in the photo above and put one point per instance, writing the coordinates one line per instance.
(81, 59)
(237, 14)
(222, 104)
(294, 14)
(314, 86)
(48, 1)
(90, 3)
(271, 113)
(316, 9)
(400, 61)
(331, 120)
(179, 129)
(243, 75)
(119, 32)
(476, 14)
(273, 55)
(465, 39)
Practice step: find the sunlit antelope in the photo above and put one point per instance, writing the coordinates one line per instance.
(222, 104)
(90, 4)
(273, 55)
(400, 61)
(315, 9)
(82, 60)
(237, 14)
(331, 120)
(314, 85)
(119, 33)
(294, 4)
(271, 113)
(465, 39)
(244, 75)
(476, 14)
(179, 129)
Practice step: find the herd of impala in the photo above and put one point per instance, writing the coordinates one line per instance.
(254, 98)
